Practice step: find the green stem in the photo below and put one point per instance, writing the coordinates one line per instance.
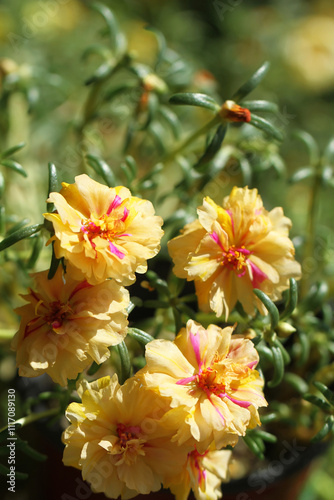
(198, 133)
(32, 418)
(93, 97)
(125, 362)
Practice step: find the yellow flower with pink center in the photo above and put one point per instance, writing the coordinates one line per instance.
(203, 473)
(118, 440)
(68, 324)
(231, 250)
(211, 379)
(104, 232)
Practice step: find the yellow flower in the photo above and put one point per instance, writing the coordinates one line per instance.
(118, 440)
(308, 48)
(232, 249)
(209, 376)
(203, 474)
(68, 324)
(104, 232)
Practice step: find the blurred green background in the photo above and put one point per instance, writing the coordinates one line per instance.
(220, 43)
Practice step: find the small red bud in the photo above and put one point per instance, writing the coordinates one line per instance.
(232, 112)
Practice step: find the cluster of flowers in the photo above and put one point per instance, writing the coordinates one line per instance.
(169, 423)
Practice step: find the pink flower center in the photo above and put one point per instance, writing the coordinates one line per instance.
(105, 226)
(236, 259)
(127, 433)
(110, 226)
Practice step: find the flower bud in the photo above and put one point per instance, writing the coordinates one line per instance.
(153, 82)
(284, 329)
(232, 112)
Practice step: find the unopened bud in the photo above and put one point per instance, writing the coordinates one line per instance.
(249, 333)
(284, 329)
(232, 112)
(153, 82)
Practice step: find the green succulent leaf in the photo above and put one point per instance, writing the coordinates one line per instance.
(321, 403)
(171, 120)
(53, 184)
(11, 151)
(117, 39)
(327, 428)
(254, 446)
(327, 177)
(297, 382)
(329, 395)
(38, 244)
(285, 354)
(102, 73)
(315, 297)
(102, 169)
(310, 144)
(29, 451)
(139, 335)
(195, 99)
(213, 147)
(329, 151)
(93, 368)
(278, 363)
(96, 49)
(17, 226)
(54, 264)
(270, 306)
(253, 82)
(302, 174)
(13, 165)
(267, 127)
(292, 300)
(125, 368)
(162, 45)
(260, 106)
(21, 234)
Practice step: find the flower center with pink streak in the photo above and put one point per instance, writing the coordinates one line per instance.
(109, 226)
(236, 259)
(207, 380)
(105, 226)
(223, 382)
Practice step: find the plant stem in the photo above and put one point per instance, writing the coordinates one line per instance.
(198, 133)
(33, 417)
